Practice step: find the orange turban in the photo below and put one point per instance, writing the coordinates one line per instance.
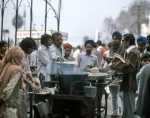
(67, 45)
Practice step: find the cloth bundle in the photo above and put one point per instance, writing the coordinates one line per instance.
(117, 63)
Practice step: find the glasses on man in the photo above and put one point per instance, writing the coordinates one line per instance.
(146, 60)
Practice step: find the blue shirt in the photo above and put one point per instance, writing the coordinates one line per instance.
(85, 61)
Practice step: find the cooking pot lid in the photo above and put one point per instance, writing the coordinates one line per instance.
(73, 73)
(98, 74)
(63, 63)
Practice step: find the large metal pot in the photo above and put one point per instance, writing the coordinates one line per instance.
(64, 67)
(67, 80)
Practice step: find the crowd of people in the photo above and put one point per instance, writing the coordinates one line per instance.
(128, 81)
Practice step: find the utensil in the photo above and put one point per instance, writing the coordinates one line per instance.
(90, 91)
(97, 76)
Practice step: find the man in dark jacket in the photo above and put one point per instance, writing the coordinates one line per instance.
(129, 84)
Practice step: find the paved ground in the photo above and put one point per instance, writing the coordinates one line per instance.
(109, 107)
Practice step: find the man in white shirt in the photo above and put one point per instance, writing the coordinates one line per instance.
(57, 51)
(43, 55)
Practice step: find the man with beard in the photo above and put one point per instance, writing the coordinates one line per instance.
(114, 86)
(141, 41)
(87, 60)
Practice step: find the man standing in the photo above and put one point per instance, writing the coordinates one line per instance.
(88, 60)
(129, 84)
(99, 47)
(97, 53)
(143, 103)
(68, 49)
(114, 86)
(141, 41)
(3, 49)
(57, 51)
(43, 56)
(148, 43)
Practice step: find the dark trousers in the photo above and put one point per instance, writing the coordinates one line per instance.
(41, 78)
(129, 104)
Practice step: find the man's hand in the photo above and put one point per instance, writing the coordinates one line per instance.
(113, 72)
(119, 82)
(104, 57)
(60, 59)
(1, 100)
(37, 83)
(34, 87)
(127, 62)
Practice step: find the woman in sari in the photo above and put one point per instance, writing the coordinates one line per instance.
(10, 82)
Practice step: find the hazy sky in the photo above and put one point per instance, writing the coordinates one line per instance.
(79, 18)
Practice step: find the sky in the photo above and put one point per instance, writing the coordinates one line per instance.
(78, 18)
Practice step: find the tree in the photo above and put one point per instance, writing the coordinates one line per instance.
(19, 21)
(128, 21)
(109, 25)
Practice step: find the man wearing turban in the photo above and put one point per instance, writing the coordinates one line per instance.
(141, 41)
(88, 60)
(68, 49)
(114, 87)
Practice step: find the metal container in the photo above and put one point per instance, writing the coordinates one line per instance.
(97, 76)
(90, 91)
(64, 67)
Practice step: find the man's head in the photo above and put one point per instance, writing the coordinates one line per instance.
(141, 41)
(145, 58)
(128, 40)
(28, 45)
(94, 46)
(89, 44)
(3, 46)
(67, 48)
(46, 40)
(57, 39)
(116, 36)
(148, 43)
(78, 47)
(98, 43)
(110, 45)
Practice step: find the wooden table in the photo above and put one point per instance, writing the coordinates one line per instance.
(89, 102)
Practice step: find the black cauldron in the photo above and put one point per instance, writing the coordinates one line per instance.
(67, 80)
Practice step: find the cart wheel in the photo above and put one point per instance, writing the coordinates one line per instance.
(103, 109)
